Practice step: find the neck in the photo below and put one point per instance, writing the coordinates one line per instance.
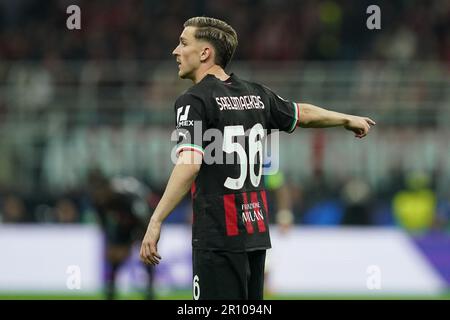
(215, 70)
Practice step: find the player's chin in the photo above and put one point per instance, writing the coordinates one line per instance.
(183, 75)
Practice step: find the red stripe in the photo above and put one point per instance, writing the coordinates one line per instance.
(230, 214)
(190, 149)
(248, 223)
(264, 199)
(193, 188)
(298, 113)
(258, 212)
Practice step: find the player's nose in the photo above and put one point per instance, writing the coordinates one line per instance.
(175, 52)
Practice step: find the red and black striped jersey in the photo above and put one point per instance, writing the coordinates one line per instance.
(228, 122)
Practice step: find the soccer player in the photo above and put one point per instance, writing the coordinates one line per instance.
(230, 232)
(122, 207)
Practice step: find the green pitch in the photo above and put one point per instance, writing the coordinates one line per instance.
(187, 295)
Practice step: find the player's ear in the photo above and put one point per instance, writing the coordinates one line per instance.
(205, 53)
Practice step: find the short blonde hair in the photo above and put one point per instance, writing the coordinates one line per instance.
(217, 32)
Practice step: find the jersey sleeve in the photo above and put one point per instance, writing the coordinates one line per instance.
(190, 120)
(284, 114)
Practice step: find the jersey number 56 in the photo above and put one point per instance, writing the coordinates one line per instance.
(255, 147)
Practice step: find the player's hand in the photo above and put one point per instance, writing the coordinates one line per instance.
(149, 248)
(285, 228)
(359, 125)
(285, 221)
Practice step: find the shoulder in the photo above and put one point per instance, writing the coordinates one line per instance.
(198, 95)
(259, 87)
(265, 89)
(193, 94)
(189, 98)
(252, 83)
(203, 89)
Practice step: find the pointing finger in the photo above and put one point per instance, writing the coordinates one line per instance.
(370, 121)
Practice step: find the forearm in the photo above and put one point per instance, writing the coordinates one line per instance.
(315, 117)
(180, 182)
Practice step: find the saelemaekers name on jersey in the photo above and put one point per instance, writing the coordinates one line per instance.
(240, 103)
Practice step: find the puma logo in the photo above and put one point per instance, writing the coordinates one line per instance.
(183, 135)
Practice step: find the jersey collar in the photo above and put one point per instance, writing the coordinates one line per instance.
(228, 81)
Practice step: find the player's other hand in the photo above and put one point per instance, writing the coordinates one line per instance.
(149, 248)
(285, 221)
(359, 125)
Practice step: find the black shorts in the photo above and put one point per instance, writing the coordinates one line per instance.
(224, 275)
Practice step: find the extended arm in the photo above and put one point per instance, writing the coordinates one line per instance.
(315, 117)
(180, 181)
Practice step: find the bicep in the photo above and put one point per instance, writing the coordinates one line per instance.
(192, 158)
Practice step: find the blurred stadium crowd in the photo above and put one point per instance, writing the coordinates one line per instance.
(56, 84)
(277, 30)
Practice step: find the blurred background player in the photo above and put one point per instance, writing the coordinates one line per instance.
(13, 210)
(357, 201)
(279, 201)
(414, 206)
(123, 211)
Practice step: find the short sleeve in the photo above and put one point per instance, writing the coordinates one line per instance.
(284, 114)
(189, 122)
